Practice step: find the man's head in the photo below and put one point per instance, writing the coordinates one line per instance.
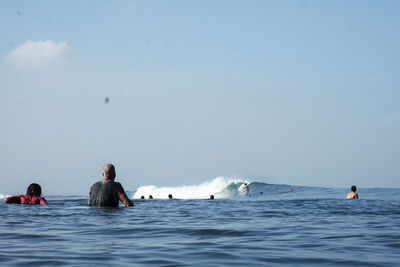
(354, 188)
(34, 190)
(109, 172)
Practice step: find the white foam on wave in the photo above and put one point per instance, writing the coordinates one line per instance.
(214, 187)
(3, 196)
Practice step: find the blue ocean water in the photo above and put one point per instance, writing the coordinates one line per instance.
(309, 226)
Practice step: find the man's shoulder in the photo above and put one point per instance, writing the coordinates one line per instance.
(97, 183)
(352, 195)
(118, 187)
(106, 183)
(111, 182)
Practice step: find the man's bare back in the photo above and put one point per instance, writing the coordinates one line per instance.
(352, 194)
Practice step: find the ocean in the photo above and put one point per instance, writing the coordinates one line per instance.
(263, 225)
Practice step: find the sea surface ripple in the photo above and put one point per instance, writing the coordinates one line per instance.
(220, 232)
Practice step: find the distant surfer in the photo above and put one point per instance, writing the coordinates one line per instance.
(107, 193)
(352, 194)
(290, 190)
(245, 187)
(32, 197)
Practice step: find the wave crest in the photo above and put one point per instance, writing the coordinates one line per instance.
(220, 187)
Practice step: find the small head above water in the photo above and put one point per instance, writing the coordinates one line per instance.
(212, 197)
(353, 188)
(150, 197)
(109, 172)
(142, 197)
(34, 190)
(170, 196)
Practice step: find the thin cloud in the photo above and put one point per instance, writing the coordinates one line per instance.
(39, 54)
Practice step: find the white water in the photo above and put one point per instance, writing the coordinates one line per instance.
(214, 187)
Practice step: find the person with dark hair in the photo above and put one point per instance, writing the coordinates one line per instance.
(150, 197)
(352, 194)
(107, 193)
(32, 197)
(170, 196)
(212, 197)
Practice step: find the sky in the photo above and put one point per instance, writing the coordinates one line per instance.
(180, 92)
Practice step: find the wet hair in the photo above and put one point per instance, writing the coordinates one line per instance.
(34, 190)
(142, 197)
(169, 196)
(150, 197)
(212, 197)
(354, 188)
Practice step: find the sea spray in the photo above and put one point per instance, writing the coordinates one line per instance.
(220, 187)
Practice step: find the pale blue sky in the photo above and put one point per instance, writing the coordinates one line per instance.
(295, 92)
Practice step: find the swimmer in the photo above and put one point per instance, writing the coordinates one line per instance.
(107, 192)
(150, 197)
(142, 197)
(212, 197)
(352, 194)
(170, 196)
(290, 190)
(32, 196)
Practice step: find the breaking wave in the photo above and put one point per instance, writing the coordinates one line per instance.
(220, 187)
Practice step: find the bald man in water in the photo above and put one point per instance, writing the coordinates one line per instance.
(107, 193)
